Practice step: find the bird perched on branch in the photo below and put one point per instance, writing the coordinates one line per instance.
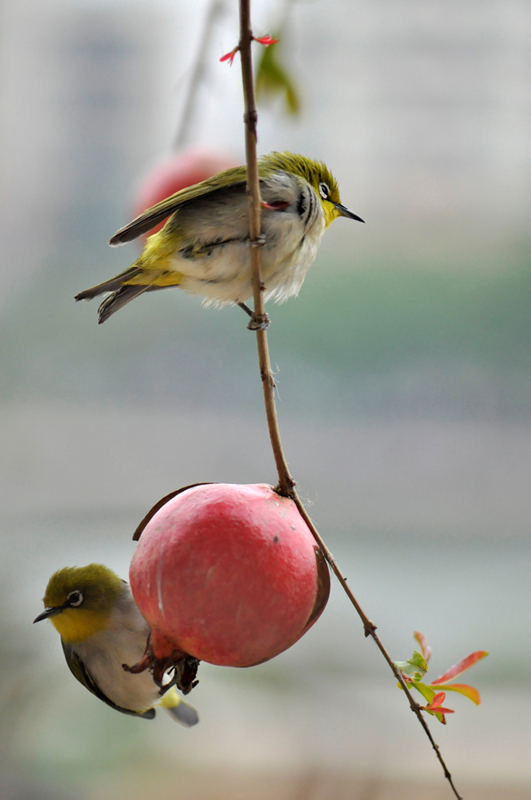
(204, 246)
(101, 629)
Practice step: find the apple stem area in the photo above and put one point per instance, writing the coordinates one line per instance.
(286, 483)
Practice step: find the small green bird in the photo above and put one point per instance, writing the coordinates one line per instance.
(204, 246)
(101, 629)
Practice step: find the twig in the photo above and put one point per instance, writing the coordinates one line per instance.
(286, 484)
(215, 9)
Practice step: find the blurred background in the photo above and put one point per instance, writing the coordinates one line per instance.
(403, 370)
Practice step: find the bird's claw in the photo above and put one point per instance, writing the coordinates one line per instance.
(259, 322)
(259, 241)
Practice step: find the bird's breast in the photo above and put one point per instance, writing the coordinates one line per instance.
(122, 642)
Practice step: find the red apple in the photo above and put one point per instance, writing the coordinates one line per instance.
(228, 574)
(177, 172)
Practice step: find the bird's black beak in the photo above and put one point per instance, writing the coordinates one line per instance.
(346, 212)
(49, 612)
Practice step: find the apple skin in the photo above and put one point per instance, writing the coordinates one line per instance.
(228, 574)
(177, 172)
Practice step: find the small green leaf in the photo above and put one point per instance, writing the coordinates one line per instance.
(272, 79)
(416, 666)
(426, 691)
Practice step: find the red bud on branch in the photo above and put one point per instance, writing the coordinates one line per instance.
(265, 40)
(230, 56)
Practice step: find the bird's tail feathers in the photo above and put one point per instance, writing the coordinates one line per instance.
(179, 709)
(121, 291)
(117, 300)
(111, 285)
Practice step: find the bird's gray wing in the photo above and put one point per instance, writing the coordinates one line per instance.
(80, 672)
(157, 213)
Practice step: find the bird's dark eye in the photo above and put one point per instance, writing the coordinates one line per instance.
(75, 598)
(324, 191)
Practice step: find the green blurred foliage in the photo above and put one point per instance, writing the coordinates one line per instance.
(351, 324)
(272, 78)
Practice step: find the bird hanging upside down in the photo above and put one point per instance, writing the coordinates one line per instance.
(101, 629)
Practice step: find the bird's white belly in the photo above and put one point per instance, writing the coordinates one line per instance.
(224, 276)
(104, 657)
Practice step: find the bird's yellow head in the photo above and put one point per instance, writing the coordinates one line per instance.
(318, 176)
(79, 600)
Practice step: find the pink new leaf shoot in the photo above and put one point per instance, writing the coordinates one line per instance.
(230, 56)
(424, 647)
(415, 668)
(463, 665)
(265, 40)
(437, 709)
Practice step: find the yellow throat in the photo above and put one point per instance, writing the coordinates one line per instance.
(76, 624)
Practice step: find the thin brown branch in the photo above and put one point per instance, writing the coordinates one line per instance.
(370, 630)
(286, 484)
(182, 135)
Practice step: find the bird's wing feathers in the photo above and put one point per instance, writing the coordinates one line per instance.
(155, 214)
(79, 671)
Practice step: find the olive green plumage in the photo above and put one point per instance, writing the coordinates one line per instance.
(203, 247)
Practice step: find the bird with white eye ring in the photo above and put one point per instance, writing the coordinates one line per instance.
(204, 246)
(75, 599)
(101, 629)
